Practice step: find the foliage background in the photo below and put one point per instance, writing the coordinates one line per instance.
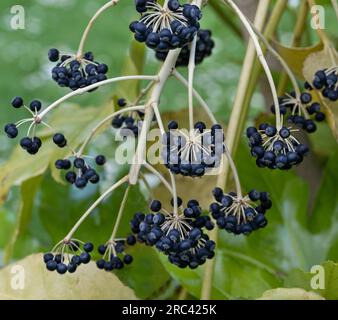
(36, 211)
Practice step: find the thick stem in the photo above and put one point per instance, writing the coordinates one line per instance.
(90, 25)
(69, 236)
(102, 124)
(120, 214)
(261, 58)
(86, 89)
(165, 72)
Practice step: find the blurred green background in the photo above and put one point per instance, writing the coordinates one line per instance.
(39, 211)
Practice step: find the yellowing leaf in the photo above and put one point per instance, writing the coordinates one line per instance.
(317, 61)
(289, 294)
(295, 56)
(88, 283)
(74, 122)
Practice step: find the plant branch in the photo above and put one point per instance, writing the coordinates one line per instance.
(159, 176)
(234, 130)
(281, 61)
(261, 58)
(88, 88)
(90, 25)
(198, 97)
(296, 40)
(102, 124)
(69, 236)
(163, 75)
(120, 214)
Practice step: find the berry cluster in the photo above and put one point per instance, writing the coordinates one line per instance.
(84, 174)
(239, 215)
(327, 81)
(204, 46)
(112, 252)
(179, 236)
(275, 149)
(129, 123)
(68, 256)
(76, 72)
(299, 111)
(193, 153)
(31, 145)
(166, 27)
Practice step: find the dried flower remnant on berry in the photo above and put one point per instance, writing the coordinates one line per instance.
(178, 235)
(68, 255)
(240, 215)
(204, 46)
(166, 27)
(326, 80)
(275, 149)
(193, 153)
(113, 254)
(76, 72)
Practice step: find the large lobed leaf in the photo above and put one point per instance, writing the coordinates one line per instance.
(39, 284)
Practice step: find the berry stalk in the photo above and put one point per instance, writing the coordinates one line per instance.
(90, 25)
(91, 87)
(103, 122)
(120, 214)
(197, 96)
(69, 236)
(232, 131)
(280, 59)
(261, 58)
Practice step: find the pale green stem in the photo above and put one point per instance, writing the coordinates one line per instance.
(69, 236)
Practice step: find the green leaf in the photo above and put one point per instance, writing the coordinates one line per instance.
(58, 217)
(295, 57)
(248, 266)
(134, 65)
(39, 284)
(289, 294)
(74, 122)
(318, 61)
(28, 192)
(301, 279)
(325, 212)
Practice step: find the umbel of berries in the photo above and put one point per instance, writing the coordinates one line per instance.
(129, 123)
(204, 46)
(30, 143)
(113, 254)
(76, 72)
(165, 27)
(68, 255)
(275, 149)
(240, 215)
(193, 153)
(300, 110)
(79, 172)
(179, 235)
(326, 80)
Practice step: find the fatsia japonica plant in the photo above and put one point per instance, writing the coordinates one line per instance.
(183, 232)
